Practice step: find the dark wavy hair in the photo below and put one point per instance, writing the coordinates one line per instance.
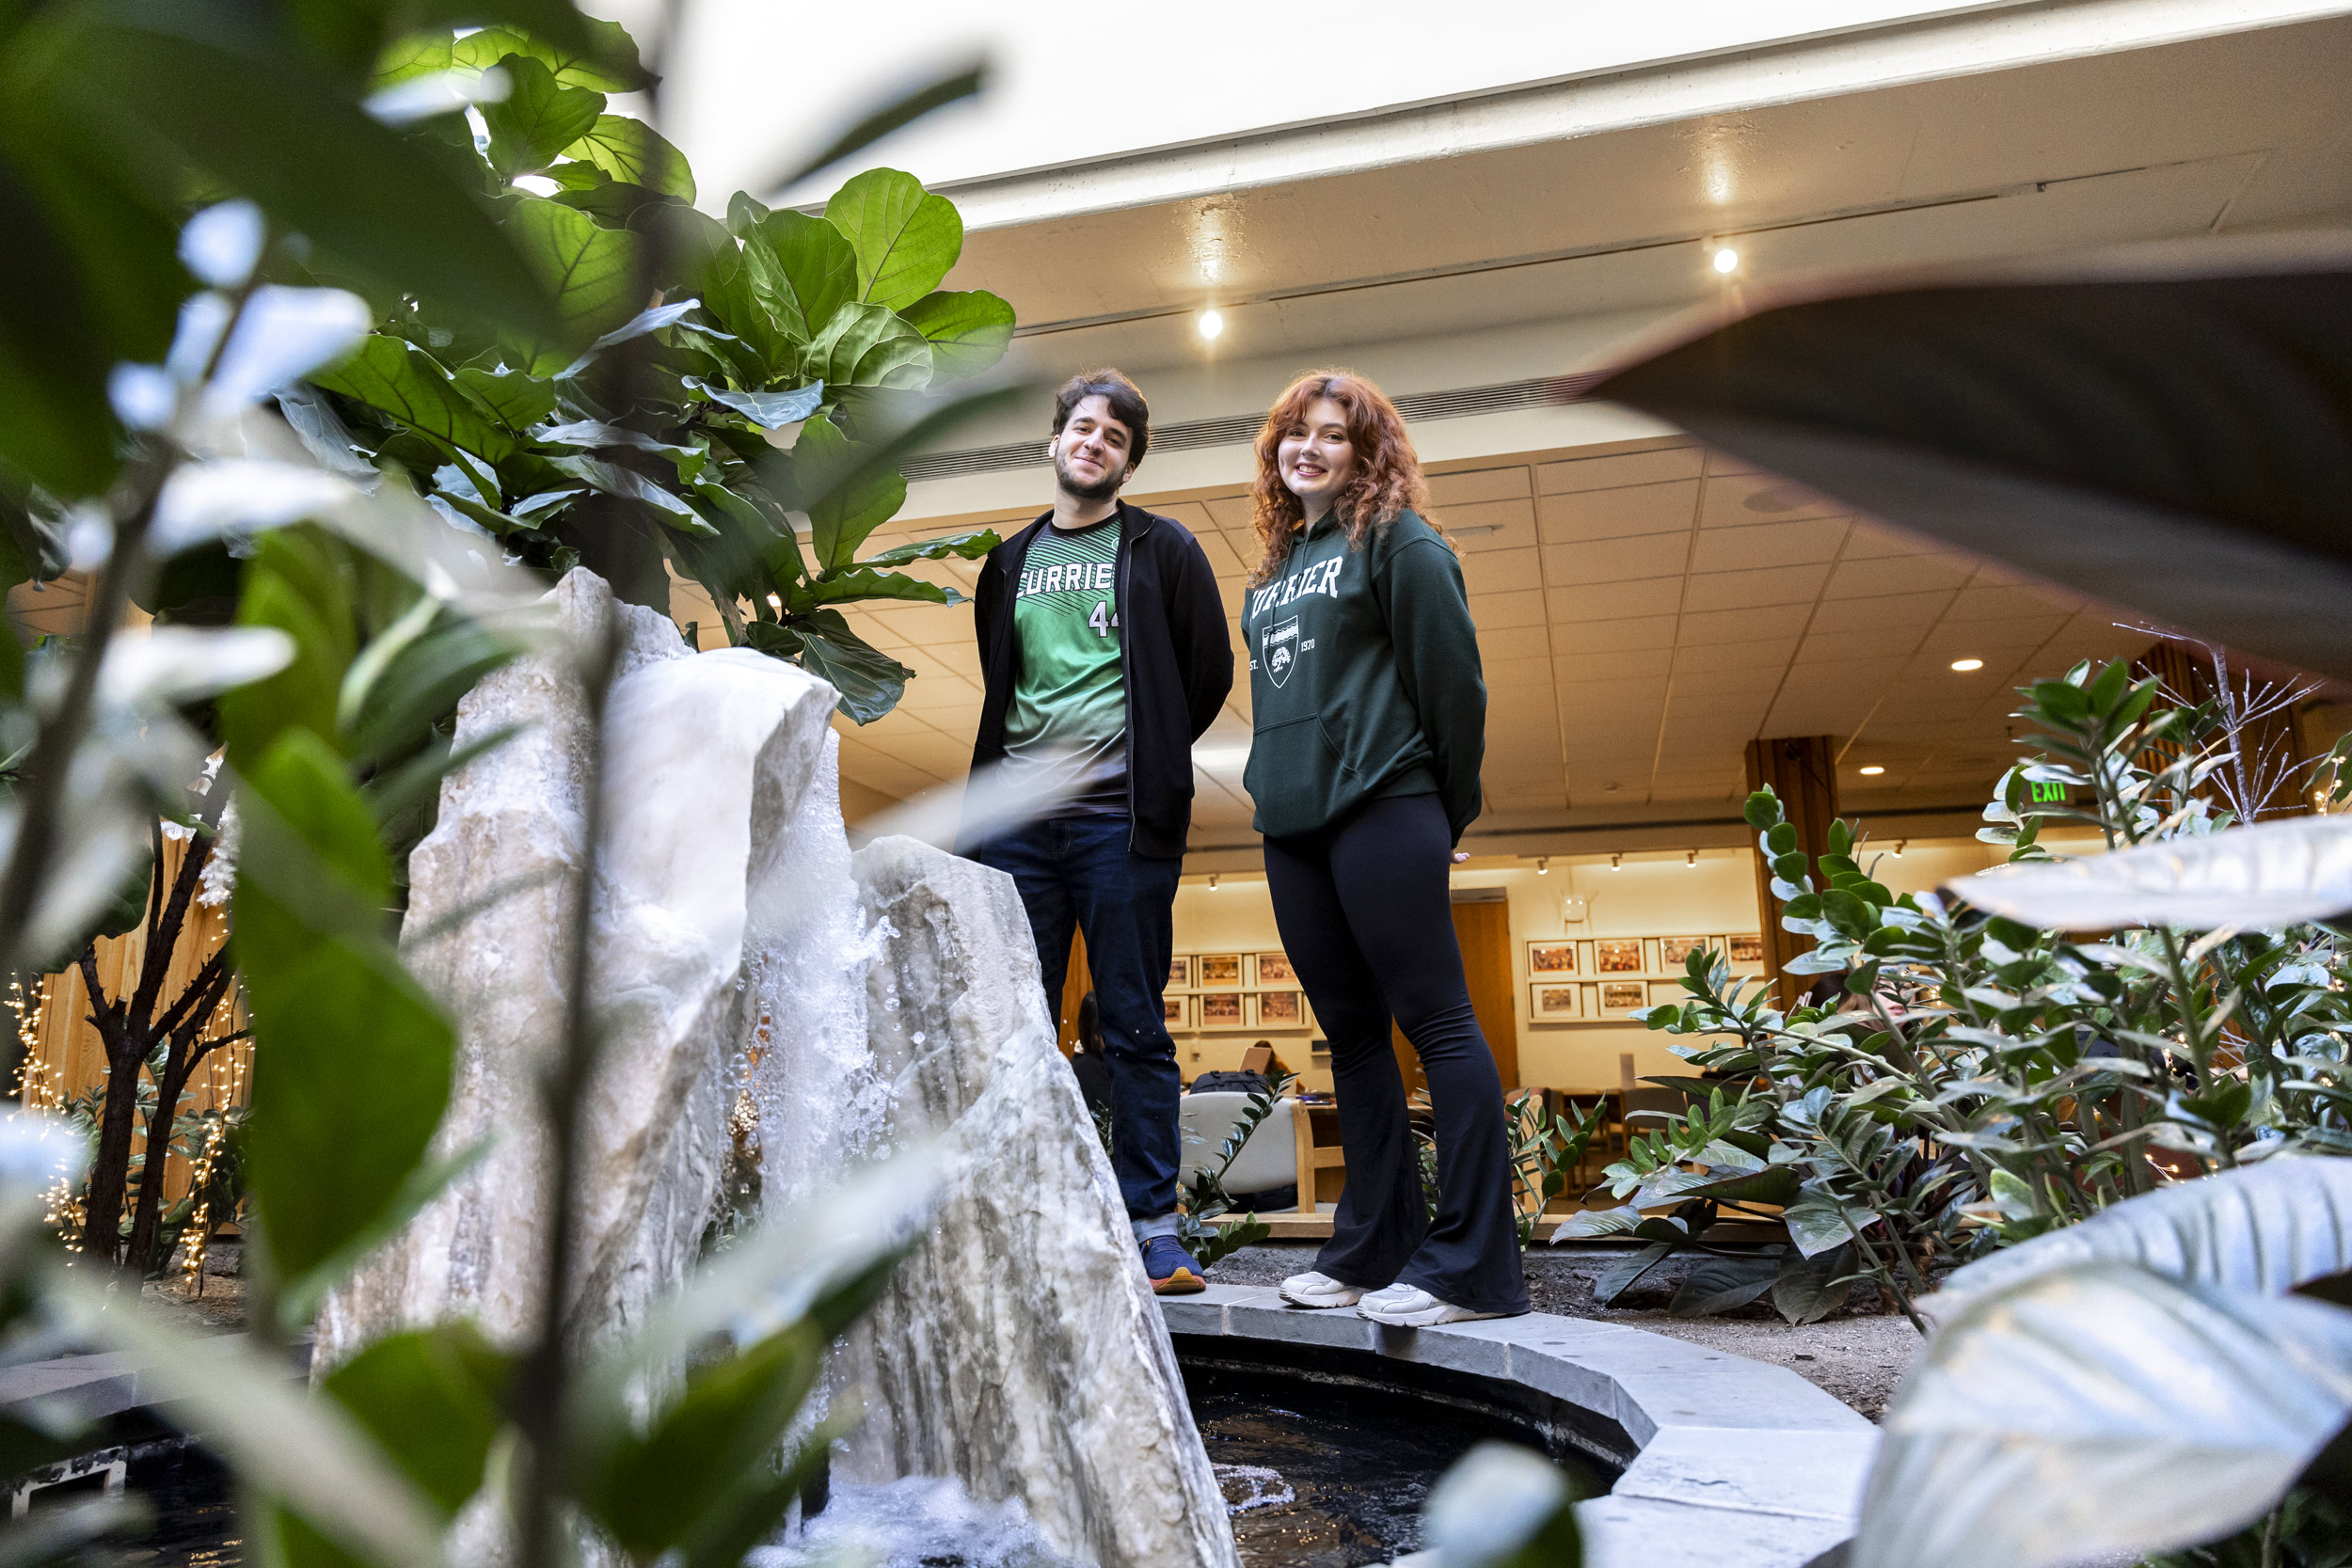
(1387, 480)
(1126, 404)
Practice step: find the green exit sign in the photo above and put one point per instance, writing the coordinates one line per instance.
(2042, 793)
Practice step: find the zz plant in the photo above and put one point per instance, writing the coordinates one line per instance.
(1984, 1081)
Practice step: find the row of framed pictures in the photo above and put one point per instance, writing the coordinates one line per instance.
(1236, 1010)
(1230, 972)
(1568, 1000)
(1556, 958)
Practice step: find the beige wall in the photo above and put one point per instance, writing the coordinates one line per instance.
(1652, 894)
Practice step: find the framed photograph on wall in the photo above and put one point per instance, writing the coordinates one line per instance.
(1622, 956)
(1675, 951)
(1222, 1010)
(1273, 969)
(1219, 969)
(1619, 997)
(1282, 1009)
(1548, 1000)
(1179, 972)
(1176, 1011)
(1550, 958)
(1745, 947)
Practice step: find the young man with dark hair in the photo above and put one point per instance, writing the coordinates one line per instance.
(1104, 653)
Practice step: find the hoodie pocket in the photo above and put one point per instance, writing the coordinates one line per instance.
(1294, 775)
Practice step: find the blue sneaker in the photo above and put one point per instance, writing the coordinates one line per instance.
(1170, 1268)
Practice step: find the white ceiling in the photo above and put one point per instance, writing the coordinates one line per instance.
(2217, 135)
(1644, 608)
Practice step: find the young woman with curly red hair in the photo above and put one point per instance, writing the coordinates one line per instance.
(1370, 714)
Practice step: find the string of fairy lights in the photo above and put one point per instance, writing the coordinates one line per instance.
(219, 1088)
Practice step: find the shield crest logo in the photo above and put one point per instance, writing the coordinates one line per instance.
(1278, 650)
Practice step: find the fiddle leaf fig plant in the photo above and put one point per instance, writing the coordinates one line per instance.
(794, 356)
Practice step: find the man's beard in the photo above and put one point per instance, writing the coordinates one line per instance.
(1101, 490)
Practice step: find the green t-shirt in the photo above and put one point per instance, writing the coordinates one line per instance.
(1069, 708)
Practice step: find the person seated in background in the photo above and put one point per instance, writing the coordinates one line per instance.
(1257, 1066)
(1088, 1061)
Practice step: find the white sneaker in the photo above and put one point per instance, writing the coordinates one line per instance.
(1410, 1306)
(1319, 1289)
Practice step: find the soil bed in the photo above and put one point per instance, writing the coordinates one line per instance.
(1858, 1355)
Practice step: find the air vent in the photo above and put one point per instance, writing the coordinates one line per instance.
(1234, 430)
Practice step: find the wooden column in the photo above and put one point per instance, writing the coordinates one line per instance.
(1801, 769)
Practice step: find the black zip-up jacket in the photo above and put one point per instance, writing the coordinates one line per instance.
(1175, 655)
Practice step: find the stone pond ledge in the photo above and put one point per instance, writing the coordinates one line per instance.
(1737, 1461)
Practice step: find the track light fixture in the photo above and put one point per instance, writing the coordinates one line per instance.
(1543, 866)
(1617, 862)
(1691, 859)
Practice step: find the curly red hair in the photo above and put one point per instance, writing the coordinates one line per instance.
(1387, 480)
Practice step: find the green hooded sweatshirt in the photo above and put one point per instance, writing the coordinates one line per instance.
(1364, 679)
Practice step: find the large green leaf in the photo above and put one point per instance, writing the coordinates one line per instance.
(905, 239)
(816, 270)
(860, 583)
(299, 583)
(539, 119)
(1721, 1284)
(1502, 1506)
(2261, 876)
(358, 38)
(590, 272)
(869, 681)
(2165, 429)
(392, 375)
(968, 332)
(1810, 1289)
(869, 345)
(2264, 1230)
(431, 1397)
(2101, 1413)
(658, 1491)
(847, 497)
(635, 153)
(516, 400)
(379, 202)
(56, 424)
(360, 1074)
(605, 58)
(969, 545)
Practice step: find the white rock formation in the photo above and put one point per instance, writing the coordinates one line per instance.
(1020, 1350)
(811, 1072)
(709, 757)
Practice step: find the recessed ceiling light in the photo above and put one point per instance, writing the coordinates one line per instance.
(1210, 324)
(1726, 259)
(1872, 771)
(1965, 665)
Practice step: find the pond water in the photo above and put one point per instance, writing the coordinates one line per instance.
(1314, 1476)
(1317, 1476)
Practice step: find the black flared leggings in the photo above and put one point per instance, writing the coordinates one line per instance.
(1366, 918)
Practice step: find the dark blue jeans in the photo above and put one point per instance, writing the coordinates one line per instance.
(1078, 872)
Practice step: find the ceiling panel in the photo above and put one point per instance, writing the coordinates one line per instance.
(1582, 515)
(1731, 549)
(1653, 555)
